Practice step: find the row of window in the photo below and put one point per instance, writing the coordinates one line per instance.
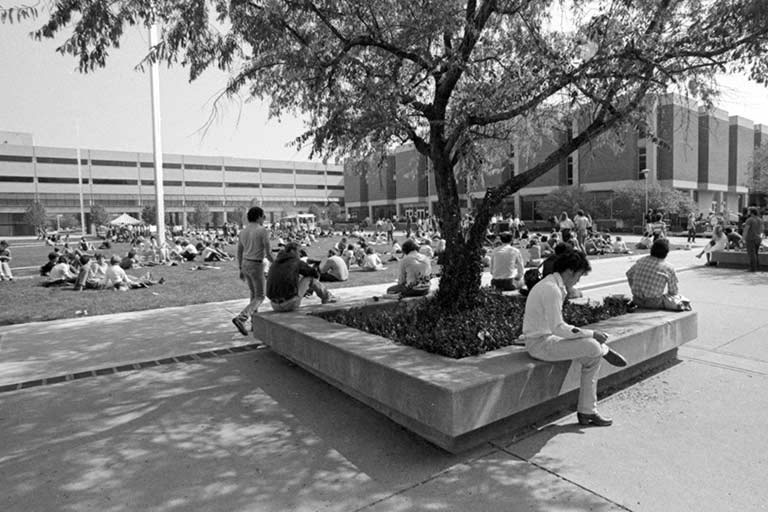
(166, 165)
(167, 183)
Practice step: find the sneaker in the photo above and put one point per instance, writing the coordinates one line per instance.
(240, 326)
(330, 299)
(161, 280)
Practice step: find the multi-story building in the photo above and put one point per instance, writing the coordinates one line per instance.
(124, 182)
(707, 155)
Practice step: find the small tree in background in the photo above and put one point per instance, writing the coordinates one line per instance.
(99, 215)
(629, 201)
(238, 216)
(565, 199)
(201, 215)
(757, 174)
(334, 210)
(69, 221)
(36, 216)
(149, 214)
(316, 211)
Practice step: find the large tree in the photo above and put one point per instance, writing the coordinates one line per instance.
(466, 82)
(99, 214)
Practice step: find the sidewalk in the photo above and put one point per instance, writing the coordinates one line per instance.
(243, 429)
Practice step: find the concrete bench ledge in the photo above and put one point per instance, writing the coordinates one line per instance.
(461, 403)
(739, 259)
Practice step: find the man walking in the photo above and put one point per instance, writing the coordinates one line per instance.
(548, 338)
(252, 248)
(753, 237)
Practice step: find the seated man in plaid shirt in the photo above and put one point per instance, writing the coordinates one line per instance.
(653, 281)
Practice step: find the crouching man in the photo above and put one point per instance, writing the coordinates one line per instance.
(289, 279)
(549, 338)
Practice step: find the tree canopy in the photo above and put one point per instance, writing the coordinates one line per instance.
(466, 82)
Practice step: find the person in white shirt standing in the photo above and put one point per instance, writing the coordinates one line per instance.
(549, 338)
(507, 266)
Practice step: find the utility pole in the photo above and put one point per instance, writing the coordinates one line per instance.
(157, 143)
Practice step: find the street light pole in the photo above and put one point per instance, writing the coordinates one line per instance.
(645, 173)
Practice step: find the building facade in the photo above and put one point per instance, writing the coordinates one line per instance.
(707, 155)
(124, 182)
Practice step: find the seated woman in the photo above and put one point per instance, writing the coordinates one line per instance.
(415, 273)
(590, 246)
(61, 273)
(620, 247)
(718, 242)
(372, 261)
(84, 246)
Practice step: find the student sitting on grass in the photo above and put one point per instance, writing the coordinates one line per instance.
(620, 247)
(91, 276)
(61, 273)
(5, 262)
(45, 269)
(372, 261)
(130, 261)
(415, 272)
(119, 280)
(334, 269)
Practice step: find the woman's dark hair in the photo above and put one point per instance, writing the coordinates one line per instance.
(572, 260)
(660, 248)
(505, 237)
(409, 246)
(254, 214)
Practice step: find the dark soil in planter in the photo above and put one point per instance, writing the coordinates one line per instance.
(496, 321)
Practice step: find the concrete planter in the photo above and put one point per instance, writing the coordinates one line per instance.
(460, 403)
(738, 259)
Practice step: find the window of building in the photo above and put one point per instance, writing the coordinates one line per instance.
(241, 168)
(278, 171)
(56, 160)
(202, 167)
(17, 179)
(15, 158)
(642, 161)
(242, 185)
(115, 163)
(114, 181)
(569, 171)
(310, 187)
(171, 183)
(47, 179)
(204, 184)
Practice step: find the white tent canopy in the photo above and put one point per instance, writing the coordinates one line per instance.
(125, 219)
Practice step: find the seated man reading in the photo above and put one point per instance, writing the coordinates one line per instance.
(548, 337)
(653, 281)
(415, 272)
(289, 279)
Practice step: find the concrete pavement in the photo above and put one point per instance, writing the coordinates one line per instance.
(247, 430)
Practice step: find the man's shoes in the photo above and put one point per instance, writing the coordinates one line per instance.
(240, 326)
(593, 419)
(330, 299)
(161, 281)
(615, 358)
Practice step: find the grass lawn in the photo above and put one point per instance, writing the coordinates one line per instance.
(24, 300)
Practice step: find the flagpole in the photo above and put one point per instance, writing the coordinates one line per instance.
(157, 143)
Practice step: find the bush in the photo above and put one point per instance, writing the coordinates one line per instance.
(496, 321)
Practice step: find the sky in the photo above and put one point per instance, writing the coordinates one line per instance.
(42, 92)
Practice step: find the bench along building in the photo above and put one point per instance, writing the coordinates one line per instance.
(123, 181)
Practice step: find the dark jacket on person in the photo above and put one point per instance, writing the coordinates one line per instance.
(283, 277)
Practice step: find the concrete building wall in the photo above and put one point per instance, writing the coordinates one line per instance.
(381, 182)
(411, 175)
(714, 141)
(741, 150)
(677, 125)
(609, 161)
